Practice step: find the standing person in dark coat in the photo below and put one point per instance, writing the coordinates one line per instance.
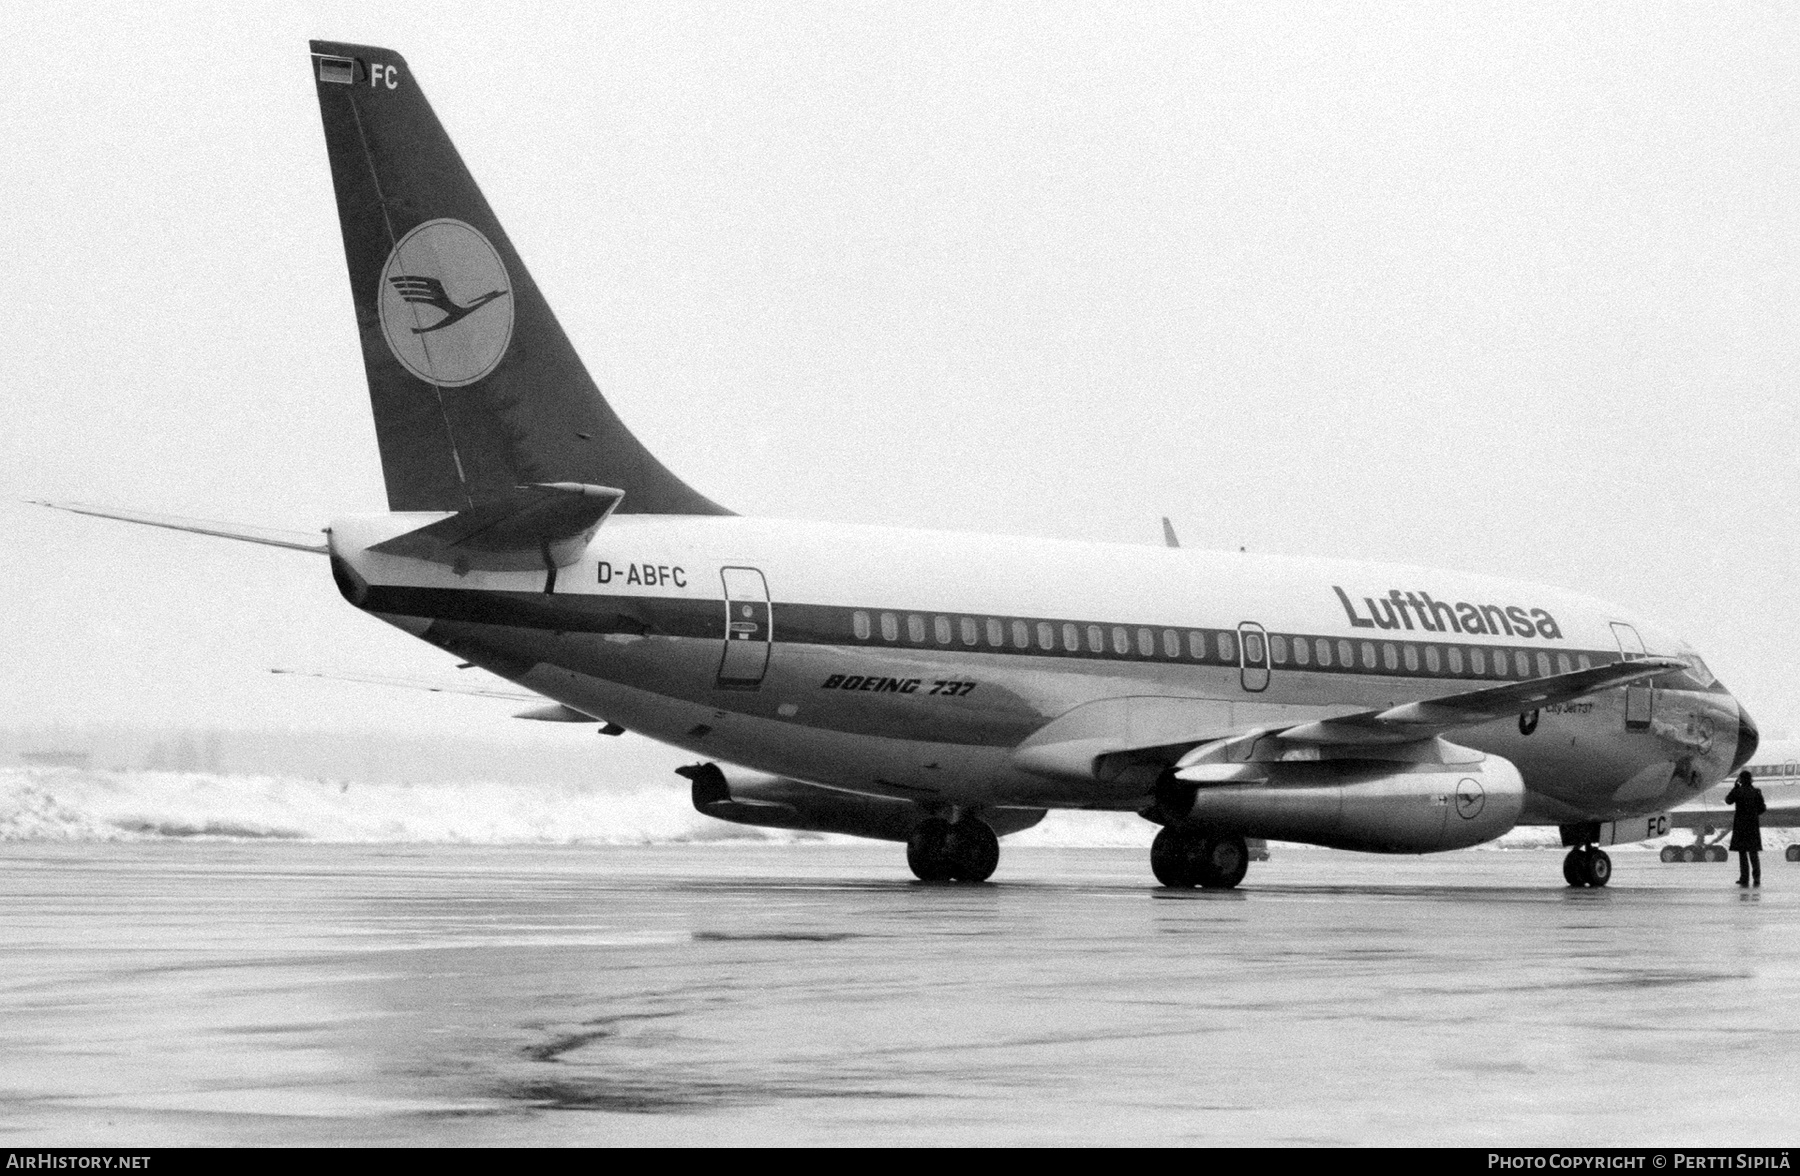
(1746, 828)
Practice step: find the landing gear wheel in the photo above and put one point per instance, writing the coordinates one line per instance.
(972, 850)
(1691, 854)
(927, 851)
(1175, 857)
(1185, 858)
(1793, 853)
(1588, 865)
(1670, 854)
(1715, 853)
(1223, 862)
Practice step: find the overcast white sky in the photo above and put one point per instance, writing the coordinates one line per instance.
(1506, 288)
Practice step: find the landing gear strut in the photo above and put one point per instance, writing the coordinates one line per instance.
(1185, 858)
(965, 850)
(1587, 865)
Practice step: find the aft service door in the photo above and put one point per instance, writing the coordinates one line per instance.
(1640, 701)
(1253, 656)
(747, 629)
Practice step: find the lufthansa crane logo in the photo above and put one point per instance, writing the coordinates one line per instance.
(446, 304)
(1470, 799)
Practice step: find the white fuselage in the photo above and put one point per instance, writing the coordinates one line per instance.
(914, 664)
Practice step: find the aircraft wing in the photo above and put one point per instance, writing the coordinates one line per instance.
(1436, 716)
(267, 536)
(1711, 812)
(1129, 742)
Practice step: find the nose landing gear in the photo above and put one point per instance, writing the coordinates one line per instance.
(1587, 865)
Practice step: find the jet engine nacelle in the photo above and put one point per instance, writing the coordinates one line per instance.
(1374, 806)
(776, 802)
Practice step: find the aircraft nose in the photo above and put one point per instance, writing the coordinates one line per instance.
(1748, 737)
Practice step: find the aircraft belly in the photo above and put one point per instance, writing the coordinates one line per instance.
(931, 773)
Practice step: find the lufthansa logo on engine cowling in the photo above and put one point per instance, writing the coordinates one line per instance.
(1470, 798)
(446, 303)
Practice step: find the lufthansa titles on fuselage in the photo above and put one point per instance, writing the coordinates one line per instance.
(1400, 609)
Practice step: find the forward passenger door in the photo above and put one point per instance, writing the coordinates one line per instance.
(1640, 701)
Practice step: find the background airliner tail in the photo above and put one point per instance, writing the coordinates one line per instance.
(475, 388)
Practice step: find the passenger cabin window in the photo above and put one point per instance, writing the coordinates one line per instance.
(1477, 661)
(1522, 663)
(1433, 661)
(941, 626)
(1543, 664)
(860, 622)
(1071, 638)
(1121, 640)
(890, 627)
(1584, 661)
(1302, 651)
(1322, 647)
(1390, 657)
(1171, 643)
(1562, 664)
(1227, 646)
(1096, 639)
(1253, 649)
(996, 633)
(1346, 654)
(1278, 649)
(1146, 643)
(1196, 645)
(1021, 634)
(1412, 659)
(1046, 635)
(1368, 652)
(915, 628)
(971, 632)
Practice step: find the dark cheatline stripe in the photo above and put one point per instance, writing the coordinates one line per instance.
(835, 625)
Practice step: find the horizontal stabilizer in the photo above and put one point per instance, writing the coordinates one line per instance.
(471, 689)
(267, 536)
(556, 712)
(543, 525)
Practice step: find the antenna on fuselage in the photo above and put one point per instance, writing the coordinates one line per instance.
(1169, 533)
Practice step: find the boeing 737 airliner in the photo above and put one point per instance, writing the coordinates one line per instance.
(943, 690)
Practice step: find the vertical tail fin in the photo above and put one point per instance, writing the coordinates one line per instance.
(474, 386)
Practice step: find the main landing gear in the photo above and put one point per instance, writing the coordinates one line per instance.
(1185, 858)
(965, 850)
(1587, 865)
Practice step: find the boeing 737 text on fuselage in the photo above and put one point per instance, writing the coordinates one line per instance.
(838, 678)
